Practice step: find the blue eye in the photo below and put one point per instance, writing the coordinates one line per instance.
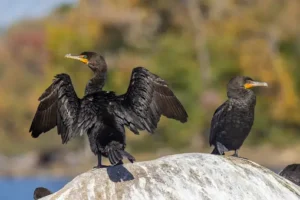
(85, 56)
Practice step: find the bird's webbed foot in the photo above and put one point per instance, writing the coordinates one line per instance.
(235, 154)
(100, 163)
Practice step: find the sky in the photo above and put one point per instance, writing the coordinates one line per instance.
(15, 10)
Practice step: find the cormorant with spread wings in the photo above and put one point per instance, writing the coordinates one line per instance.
(102, 115)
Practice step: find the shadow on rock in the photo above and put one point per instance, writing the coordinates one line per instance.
(119, 173)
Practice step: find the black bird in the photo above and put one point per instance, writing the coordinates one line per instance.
(232, 121)
(292, 173)
(102, 115)
(41, 192)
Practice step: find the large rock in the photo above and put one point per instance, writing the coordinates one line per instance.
(185, 176)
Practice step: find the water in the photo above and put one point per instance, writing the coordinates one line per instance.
(23, 188)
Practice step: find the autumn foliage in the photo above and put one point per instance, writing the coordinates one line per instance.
(197, 46)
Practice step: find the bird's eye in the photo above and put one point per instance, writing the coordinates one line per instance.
(85, 56)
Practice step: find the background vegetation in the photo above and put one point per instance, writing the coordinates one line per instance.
(196, 45)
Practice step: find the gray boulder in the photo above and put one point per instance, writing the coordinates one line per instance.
(181, 177)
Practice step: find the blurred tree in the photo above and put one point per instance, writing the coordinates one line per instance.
(196, 45)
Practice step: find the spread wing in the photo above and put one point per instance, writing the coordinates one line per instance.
(58, 106)
(218, 121)
(147, 98)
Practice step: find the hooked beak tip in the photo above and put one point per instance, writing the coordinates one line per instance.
(67, 55)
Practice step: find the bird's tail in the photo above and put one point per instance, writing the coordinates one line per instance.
(116, 153)
(215, 151)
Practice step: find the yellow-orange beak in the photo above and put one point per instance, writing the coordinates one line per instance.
(252, 84)
(80, 58)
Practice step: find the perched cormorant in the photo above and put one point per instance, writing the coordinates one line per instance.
(292, 173)
(232, 121)
(102, 115)
(41, 192)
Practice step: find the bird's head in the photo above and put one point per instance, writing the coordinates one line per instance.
(241, 84)
(94, 61)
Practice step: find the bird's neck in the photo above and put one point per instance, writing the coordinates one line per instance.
(243, 96)
(96, 83)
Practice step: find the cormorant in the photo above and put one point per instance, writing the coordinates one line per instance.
(232, 121)
(102, 115)
(292, 173)
(41, 192)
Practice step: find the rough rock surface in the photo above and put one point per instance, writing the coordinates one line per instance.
(181, 177)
